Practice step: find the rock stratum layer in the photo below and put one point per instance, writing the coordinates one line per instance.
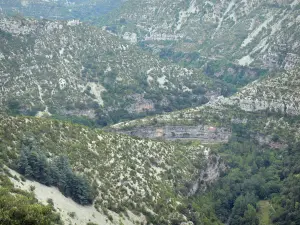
(254, 33)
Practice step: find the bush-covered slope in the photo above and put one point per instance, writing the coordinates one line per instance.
(144, 176)
(69, 68)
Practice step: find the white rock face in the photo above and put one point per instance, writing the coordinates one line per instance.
(277, 94)
(162, 81)
(209, 175)
(97, 89)
(62, 83)
(131, 37)
(245, 61)
(73, 22)
(187, 223)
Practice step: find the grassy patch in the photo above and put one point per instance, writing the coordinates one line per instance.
(264, 212)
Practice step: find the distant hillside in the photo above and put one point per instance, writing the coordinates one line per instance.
(69, 68)
(214, 34)
(86, 10)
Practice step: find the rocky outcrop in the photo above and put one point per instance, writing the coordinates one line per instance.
(141, 104)
(204, 133)
(209, 175)
(278, 94)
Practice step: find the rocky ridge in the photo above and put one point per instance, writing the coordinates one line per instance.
(263, 34)
(206, 134)
(279, 93)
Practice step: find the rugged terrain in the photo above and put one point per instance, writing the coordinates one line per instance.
(223, 159)
(261, 149)
(266, 106)
(142, 176)
(69, 68)
(258, 34)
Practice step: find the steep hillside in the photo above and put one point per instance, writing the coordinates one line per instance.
(69, 68)
(278, 93)
(162, 180)
(142, 176)
(261, 34)
(85, 10)
(21, 207)
(267, 107)
(257, 135)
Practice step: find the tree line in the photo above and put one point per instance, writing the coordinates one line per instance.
(33, 164)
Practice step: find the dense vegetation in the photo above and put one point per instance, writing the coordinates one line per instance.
(230, 73)
(256, 175)
(289, 200)
(125, 171)
(34, 165)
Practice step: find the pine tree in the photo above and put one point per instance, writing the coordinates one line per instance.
(23, 162)
(33, 161)
(250, 217)
(28, 172)
(34, 164)
(44, 169)
(53, 174)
